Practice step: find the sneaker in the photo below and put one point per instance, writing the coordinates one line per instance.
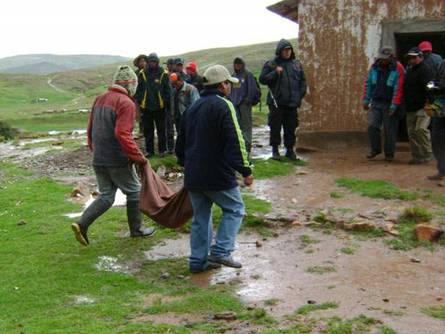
(207, 266)
(144, 232)
(80, 233)
(389, 158)
(225, 261)
(372, 155)
(437, 177)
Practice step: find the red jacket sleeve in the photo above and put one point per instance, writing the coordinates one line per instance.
(125, 115)
(399, 90)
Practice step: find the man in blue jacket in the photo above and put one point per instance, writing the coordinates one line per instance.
(285, 78)
(382, 97)
(243, 98)
(211, 148)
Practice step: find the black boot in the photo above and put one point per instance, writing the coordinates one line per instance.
(276, 153)
(134, 217)
(290, 154)
(94, 211)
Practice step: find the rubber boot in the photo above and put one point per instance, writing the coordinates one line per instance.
(94, 211)
(134, 217)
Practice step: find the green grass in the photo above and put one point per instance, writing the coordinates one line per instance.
(266, 169)
(306, 309)
(376, 189)
(359, 324)
(336, 195)
(307, 240)
(437, 312)
(47, 269)
(321, 270)
(406, 228)
(66, 121)
(347, 250)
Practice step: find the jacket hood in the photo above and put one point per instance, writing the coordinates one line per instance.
(282, 44)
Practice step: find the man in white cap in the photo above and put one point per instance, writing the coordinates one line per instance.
(115, 153)
(211, 147)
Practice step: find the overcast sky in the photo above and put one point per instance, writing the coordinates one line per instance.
(127, 28)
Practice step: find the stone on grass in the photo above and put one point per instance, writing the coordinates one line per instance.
(426, 232)
(228, 316)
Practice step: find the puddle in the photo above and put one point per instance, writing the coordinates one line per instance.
(110, 264)
(83, 300)
(360, 282)
(18, 151)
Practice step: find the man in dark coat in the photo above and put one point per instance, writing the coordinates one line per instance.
(417, 76)
(243, 96)
(153, 96)
(285, 78)
(211, 148)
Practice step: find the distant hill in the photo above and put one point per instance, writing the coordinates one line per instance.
(254, 55)
(49, 63)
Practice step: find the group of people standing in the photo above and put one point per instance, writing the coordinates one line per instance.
(163, 95)
(392, 92)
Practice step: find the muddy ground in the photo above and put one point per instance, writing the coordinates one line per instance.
(389, 285)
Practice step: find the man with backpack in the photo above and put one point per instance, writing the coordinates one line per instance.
(285, 78)
(243, 97)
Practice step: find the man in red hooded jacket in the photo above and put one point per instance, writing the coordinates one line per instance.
(115, 153)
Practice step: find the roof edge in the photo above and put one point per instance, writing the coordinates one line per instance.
(286, 8)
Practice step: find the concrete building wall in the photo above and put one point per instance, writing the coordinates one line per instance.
(338, 41)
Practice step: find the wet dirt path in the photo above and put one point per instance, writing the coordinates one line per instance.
(375, 281)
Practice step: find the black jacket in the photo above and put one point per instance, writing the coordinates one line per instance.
(197, 81)
(289, 88)
(154, 91)
(210, 144)
(414, 88)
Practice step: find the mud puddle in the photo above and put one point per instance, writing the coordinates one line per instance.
(375, 280)
(24, 149)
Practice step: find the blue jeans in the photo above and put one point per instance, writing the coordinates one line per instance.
(378, 115)
(231, 203)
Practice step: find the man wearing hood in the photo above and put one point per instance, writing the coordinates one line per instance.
(115, 153)
(242, 97)
(153, 96)
(285, 78)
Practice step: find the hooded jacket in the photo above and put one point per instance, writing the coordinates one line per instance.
(110, 129)
(210, 144)
(289, 87)
(153, 92)
(247, 90)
